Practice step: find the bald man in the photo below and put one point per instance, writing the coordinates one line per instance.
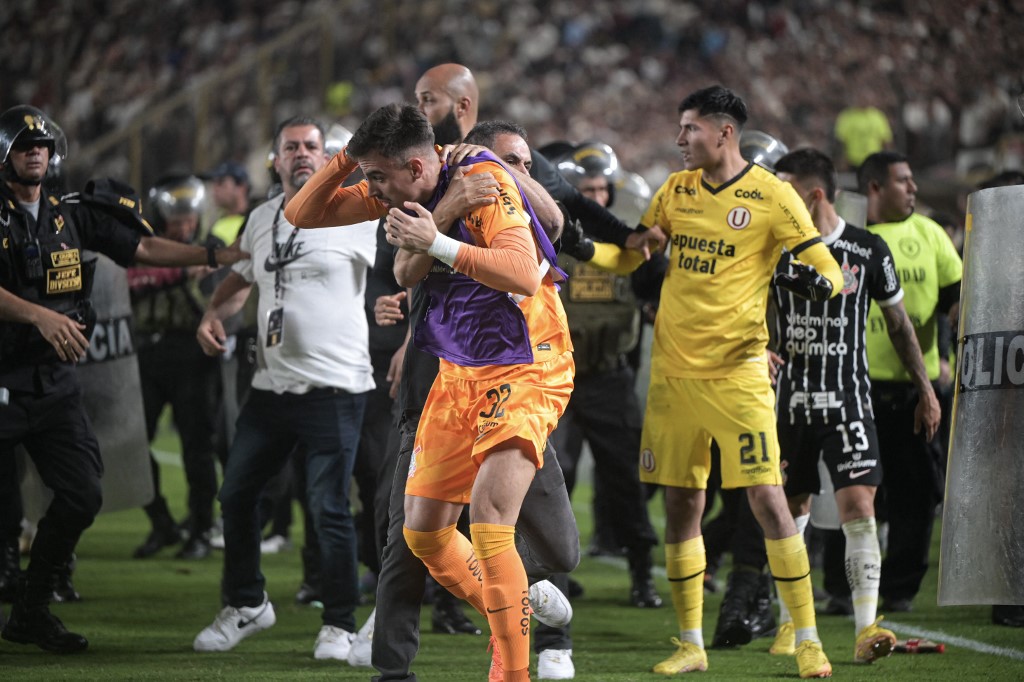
(449, 97)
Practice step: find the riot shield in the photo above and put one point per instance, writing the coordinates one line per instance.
(982, 554)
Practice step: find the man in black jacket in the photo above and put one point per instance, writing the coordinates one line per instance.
(45, 320)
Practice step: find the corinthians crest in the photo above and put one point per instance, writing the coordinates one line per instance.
(849, 278)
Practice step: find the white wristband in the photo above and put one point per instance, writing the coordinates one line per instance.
(444, 249)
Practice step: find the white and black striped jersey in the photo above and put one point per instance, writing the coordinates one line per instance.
(825, 377)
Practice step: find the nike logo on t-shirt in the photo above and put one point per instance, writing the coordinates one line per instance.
(273, 264)
(858, 474)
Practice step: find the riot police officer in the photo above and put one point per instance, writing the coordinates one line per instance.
(45, 317)
(167, 304)
(604, 321)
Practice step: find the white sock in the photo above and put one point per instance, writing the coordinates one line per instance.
(801, 526)
(803, 634)
(692, 636)
(863, 569)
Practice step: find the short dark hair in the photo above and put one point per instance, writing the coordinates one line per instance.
(716, 101)
(811, 163)
(295, 122)
(486, 132)
(875, 168)
(391, 131)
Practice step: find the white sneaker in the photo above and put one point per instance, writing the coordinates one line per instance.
(549, 605)
(275, 544)
(217, 534)
(555, 664)
(332, 642)
(362, 644)
(232, 625)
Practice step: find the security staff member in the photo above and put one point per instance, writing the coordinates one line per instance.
(44, 330)
(930, 270)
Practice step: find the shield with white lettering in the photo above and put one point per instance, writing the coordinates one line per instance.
(112, 394)
(982, 554)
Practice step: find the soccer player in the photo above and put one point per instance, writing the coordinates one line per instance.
(506, 368)
(727, 221)
(824, 398)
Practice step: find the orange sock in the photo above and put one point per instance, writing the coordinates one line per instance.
(448, 555)
(506, 595)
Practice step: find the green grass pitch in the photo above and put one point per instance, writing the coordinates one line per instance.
(141, 616)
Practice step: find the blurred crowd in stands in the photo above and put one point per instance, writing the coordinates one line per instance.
(945, 74)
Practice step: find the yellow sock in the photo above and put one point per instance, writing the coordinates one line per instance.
(685, 563)
(506, 594)
(448, 555)
(787, 559)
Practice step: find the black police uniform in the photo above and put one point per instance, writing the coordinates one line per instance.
(605, 321)
(167, 305)
(43, 260)
(373, 467)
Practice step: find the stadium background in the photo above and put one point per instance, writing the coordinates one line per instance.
(144, 88)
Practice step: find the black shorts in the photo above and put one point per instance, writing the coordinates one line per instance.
(849, 450)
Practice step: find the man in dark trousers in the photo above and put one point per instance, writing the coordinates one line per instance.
(45, 322)
(930, 270)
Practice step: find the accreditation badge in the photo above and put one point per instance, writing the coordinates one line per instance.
(275, 327)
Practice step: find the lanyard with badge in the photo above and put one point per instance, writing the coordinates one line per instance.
(275, 316)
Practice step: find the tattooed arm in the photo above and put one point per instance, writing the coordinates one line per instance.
(901, 333)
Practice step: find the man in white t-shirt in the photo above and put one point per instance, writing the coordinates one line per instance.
(313, 374)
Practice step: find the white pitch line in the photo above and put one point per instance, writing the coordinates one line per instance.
(934, 635)
(939, 636)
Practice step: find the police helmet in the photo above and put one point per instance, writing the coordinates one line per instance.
(24, 123)
(633, 195)
(592, 160)
(761, 148)
(177, 196)
(335, 140)
(596, 158)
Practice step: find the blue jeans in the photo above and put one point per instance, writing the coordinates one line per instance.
(326, 423)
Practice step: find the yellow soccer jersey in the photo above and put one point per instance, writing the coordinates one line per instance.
(724, 244)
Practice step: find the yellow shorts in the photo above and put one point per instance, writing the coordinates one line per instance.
(683, 415)
(464, 419)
